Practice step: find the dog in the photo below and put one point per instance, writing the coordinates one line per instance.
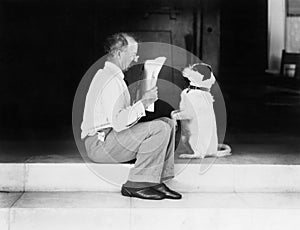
(197, 116)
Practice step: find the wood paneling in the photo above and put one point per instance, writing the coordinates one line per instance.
(211, 34)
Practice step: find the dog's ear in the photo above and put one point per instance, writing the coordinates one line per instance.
(204, 69)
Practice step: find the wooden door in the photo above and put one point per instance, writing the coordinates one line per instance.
(158, 32)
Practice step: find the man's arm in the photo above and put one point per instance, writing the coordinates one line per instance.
(116, 104)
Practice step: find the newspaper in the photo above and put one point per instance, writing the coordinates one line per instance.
(151, 70)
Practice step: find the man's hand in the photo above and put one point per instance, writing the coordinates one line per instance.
(149, 97)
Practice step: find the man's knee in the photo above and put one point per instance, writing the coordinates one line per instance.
(160, 126)
(169, 121)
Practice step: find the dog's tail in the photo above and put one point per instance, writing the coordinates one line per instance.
(223, 150)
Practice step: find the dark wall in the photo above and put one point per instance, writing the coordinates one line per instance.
(243, 40)
(46, 47)
(244, 46)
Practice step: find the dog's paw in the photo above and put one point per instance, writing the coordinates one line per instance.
(190, 156)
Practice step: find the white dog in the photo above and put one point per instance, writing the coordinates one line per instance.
(196, 112)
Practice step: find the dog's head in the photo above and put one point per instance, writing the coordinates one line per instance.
(197, 72)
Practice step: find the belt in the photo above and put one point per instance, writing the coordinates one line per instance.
(198, 88)
(106, 130)
(102, 133)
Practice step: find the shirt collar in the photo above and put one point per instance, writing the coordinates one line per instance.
(114, 68)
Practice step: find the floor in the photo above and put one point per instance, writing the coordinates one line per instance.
(91, 210)
(246, 149)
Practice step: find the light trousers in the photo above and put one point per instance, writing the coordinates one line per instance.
(151, 143)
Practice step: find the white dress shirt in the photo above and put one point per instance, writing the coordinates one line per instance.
(107, 103)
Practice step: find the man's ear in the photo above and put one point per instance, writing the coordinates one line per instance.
(118, 53)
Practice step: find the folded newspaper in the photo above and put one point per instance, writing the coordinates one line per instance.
(151, 71)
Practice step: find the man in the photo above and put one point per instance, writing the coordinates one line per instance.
(112, 133)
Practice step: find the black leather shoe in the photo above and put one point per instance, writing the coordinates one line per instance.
(143, 193)
(170, 194)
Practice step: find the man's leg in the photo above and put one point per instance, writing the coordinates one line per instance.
(168, 169)
(152, 153)
(147, 141)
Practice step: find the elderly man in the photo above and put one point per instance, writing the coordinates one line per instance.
(111, 131)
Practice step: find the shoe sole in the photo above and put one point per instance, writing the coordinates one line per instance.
(173, 198)
(124, 192)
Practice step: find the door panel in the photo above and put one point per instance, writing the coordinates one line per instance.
(150, 50)
(158, 26)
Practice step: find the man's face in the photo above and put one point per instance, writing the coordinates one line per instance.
(129, 55)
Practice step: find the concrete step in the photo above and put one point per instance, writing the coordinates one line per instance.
(206, 176)
(100, 210)
(259, 163)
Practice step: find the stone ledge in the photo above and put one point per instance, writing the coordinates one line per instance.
(189, 177)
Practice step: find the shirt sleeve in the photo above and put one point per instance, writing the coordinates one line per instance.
(115, 100)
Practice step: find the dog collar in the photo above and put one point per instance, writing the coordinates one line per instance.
(198, 88)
